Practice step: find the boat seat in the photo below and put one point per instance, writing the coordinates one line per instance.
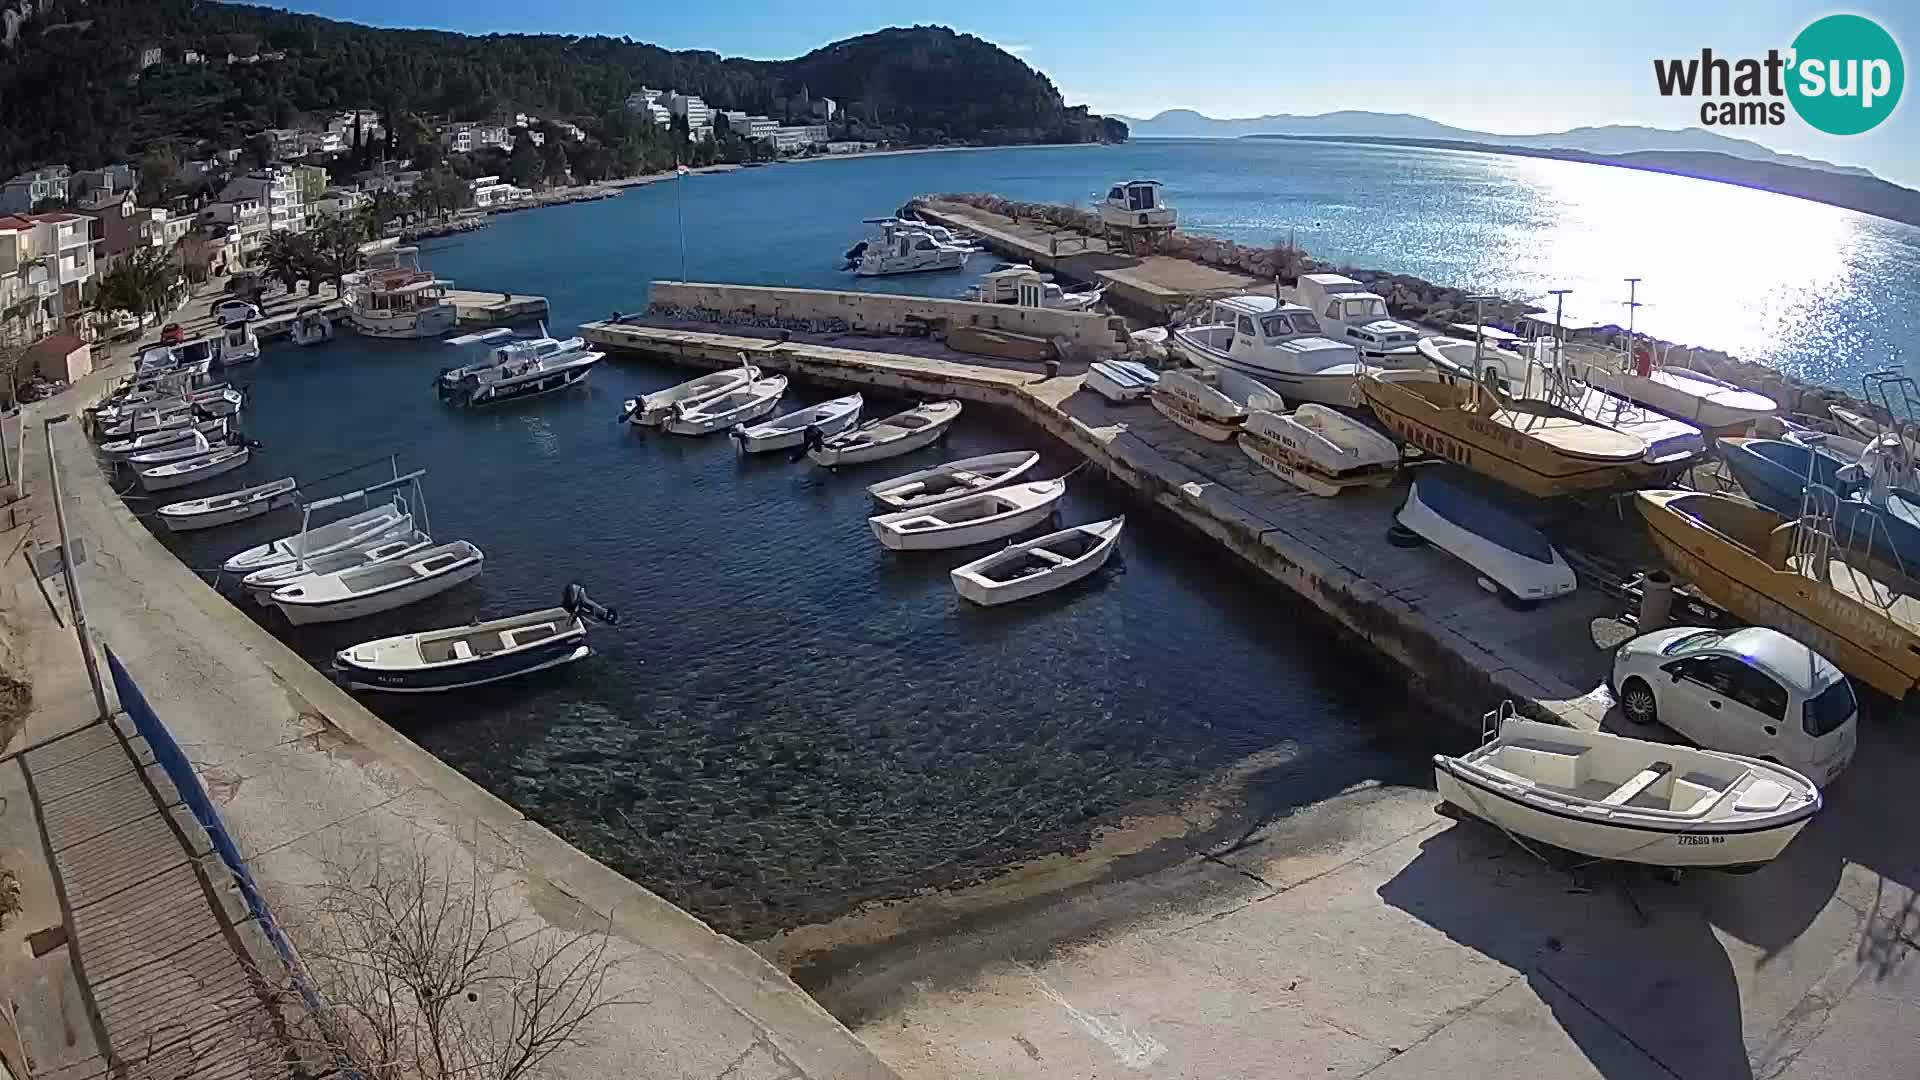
(1763, 796)
(1694, 792)
(1055, 558)
(1640, 782)
(462, 651)
(1559, 765)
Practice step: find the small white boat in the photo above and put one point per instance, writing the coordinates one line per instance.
(1282, 345)
(903, 247)
(237, 345)
(436, 660)
(1037, 566)
(522, 368)
(1511, 554)
(121, 449)
(333, 536)
(790, 431)
(970, 519)
(953, 479)
(708, 415)
(393, 544)
(233, 506)
(653, 409)
(877, 440)
(194, 445)
(220, 400)
(1324, 439)
(369, 590)
(194, 469)
(1120, 381)
(1021, 285)
(1629, 800)
(169, 417)
(1210, 404)
(1694, 396)
(311, 326)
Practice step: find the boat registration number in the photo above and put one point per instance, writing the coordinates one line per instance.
(1689, 841)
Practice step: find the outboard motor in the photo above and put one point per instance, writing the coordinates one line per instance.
(810, 439)
(853, 255)
(575, 599)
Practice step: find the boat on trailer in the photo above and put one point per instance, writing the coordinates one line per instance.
(652, 410)
(216, 510)
(1040, 565)
(970, 519)
(953, 479)
(1513, 556)
(708, 415)
(372, 589)
(1629, 800)
(790, 431)
(889, 437)
(433, 661)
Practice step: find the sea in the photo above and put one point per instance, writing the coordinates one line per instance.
(788, 719)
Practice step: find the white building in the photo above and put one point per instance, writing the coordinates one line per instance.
(46, 264)
(573, 132)
(278, 191)
(248, 218)
(786, 139)
(825, 108)
(28, 190)
(337, 202)
(850, 147)
(488, 191)
(699, 115)
(640, 99)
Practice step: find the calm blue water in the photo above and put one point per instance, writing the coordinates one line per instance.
(789, 719)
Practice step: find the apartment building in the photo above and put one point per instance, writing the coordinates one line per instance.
(24, 192)
(120, 228)
(46, 272)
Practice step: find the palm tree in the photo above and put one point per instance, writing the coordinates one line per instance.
(140, 284)
(336, 245)
(287, 256)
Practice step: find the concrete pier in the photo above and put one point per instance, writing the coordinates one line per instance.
(479, 308)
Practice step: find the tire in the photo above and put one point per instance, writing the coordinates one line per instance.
(1402, 537)
(1638, 702)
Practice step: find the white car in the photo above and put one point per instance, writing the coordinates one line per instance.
(235, 311)
(1753, 691)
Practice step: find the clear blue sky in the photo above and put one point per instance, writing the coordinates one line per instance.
(1510, 66)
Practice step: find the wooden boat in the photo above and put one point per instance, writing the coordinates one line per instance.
(952, 479)
(215, 510)
(708, 415)
(970, 519)
(195, 445)
(1769, 571)
(1512, 555)
(193, 470)
(386, 547)
(877, 440)
(333, 536)
(432, 661)
(1629, 800)
(1037, 566)
(1529, 445)
(789, 431)
(653, 409)
(369, 590)
(1120, 381)
(121, 449)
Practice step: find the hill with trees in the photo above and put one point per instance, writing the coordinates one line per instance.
(73, 89)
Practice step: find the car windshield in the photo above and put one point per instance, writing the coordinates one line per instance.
(1829, 709)
(1692, 643)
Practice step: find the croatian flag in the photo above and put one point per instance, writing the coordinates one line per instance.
(682, 170)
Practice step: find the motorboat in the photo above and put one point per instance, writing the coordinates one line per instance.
(193, 470)
(653, 409)
(1484, 362)
(215, 510)
(394, 298)
(904, 247)
(892, 436)
(1040, 565)
(1352, 312)
(193, 446)
(1120, 381)
(970, 519)
(789, 431)
(236, 345)
(216, 401)
(1511, 556)
(1210, 403)
(369, 590)
(1526, 444)
(1874, 517)
(1318, 449)
(1281, 345)
(311, 326)
(168, 416)
(1023, 286)
(1137, 204)
(121, 449)
(1867, 430)
(432, 661)
(1789, 574)
(394, 544)
(1715, 405)
(519, 369)
(1629, 800)
(708, 415)
(322, 540)
(953, 479)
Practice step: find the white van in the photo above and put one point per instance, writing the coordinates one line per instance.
(1350, 313)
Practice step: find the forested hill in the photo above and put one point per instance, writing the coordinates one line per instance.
(68, 91)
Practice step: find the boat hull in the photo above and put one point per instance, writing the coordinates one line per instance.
(245, 511)
(1524, 577)
(971, 475)
(833, 424)
(286, 550)
(989, 593)
(833, 457)
(1120, 382)
(550, 383)
(426, 323)
(1336, 389)
(1192, 420)
(1718, 407)
(1034, 503)
(457, 675)
(359, 607)
(654, 409)
(169, 481)
(1278, 459)
(680, 422)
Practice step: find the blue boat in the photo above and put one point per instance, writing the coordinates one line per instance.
(433, 661)
(1448, 509)
(1775, 475)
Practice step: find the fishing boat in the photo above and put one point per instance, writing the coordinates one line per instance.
(369, 590)
(970, 519)
(789, 431)
(215, 510)
(653, 409)
(1198, 402)
(236, 345)
(1526, 444)
(953, 479)
(1120, 381)
(1037, 566)
(193, 470)
(311, 326)
(1281, 345)
(1511, 556)
(432, 661)
(193, 446)
(520, 368)
(393, 544)
(1318, 449)
(325, 539)
(904, 247)
(722, 411)
(1787, 574)
(877, 440)
(394, 298)
(122, 449)
(1629, 800)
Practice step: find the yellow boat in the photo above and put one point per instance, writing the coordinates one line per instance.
(1774, 572)
(1530, 445)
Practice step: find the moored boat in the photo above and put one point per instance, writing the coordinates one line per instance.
(432, 661)
(121, 449)
(216, 510)
(519, 369)
(311, 326)
(1040, 565)
(790, 431)
(194, 469)
(369, 590)
(194, 445)
(321, 540)
(876, 440)
(1281, 345)
(1120, 381)
(952, 479)
(1512, 555)
(394, 298)
(708, 415)
(393, 544)
(653, 409)
(970, 519)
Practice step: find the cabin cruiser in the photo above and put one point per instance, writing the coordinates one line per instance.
(395, 298)
(904, 247)
(1279, 344)
(1023, 286)
(1134, 204)
(237, 345)
(518, 369)
(1349, 311)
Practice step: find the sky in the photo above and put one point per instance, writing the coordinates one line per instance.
(1505, 66)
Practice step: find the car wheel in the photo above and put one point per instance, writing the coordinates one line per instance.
(1637, 701)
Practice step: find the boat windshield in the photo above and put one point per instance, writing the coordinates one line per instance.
(1278, 325)
(1366, 307)
(1693, 643)
(1828, 709)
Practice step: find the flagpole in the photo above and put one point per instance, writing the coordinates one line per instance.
(680, 201)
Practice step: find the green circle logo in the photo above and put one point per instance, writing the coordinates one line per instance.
(1847, 74)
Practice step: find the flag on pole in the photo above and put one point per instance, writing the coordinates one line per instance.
(682, 170)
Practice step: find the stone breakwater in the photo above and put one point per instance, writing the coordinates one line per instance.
(1414, 299)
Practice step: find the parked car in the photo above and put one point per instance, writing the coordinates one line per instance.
(1753, 691)
(235, 311)
(173, 334)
